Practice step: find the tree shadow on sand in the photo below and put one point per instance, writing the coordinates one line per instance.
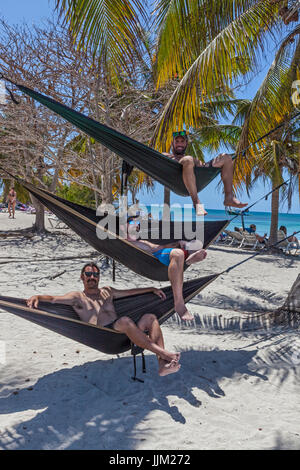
(104, 409)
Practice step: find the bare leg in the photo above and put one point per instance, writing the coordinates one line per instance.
(189, 180)
(150, 324)
(138, 337)
(224, 161)
(13, 209)
(9, 210)
(196, 256)
(175, 273)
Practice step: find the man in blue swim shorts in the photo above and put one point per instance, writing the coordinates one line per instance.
(173, 255)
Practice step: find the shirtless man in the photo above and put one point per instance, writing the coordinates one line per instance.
(172, 255)
(95, 305)
(12, 200)
(223, 161)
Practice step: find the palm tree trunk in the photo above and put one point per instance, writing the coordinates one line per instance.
(274, 216)
(39, 224)
(167, 199)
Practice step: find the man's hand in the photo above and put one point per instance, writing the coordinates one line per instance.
(160, 293)
(33, 301)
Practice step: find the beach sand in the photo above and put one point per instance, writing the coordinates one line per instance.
(239, 382)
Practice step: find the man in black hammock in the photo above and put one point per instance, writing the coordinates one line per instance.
(95, 305)
(223, 161)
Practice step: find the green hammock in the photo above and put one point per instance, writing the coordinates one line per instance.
(163, 169)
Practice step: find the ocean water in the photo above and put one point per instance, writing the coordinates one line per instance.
(262, 220)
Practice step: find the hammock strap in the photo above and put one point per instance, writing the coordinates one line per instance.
(256, 254)
(242, 152)
(241, 213)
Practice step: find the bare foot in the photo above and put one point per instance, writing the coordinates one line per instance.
(233, 202)
(200, 211)
(184, 313)
(166, 368)
(168, 356)
(197, 256)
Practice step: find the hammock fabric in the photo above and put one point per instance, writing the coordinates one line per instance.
(63, 319)
(163, 169)
(86, 223)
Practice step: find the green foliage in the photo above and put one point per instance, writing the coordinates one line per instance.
(78, 194)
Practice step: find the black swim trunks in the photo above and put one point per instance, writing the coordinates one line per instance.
(135, 317)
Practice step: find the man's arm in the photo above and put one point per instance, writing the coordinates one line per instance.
(116, 293)
(68, 299)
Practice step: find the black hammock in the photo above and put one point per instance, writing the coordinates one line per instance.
(64, 320)
(84, 221)
(163, 169)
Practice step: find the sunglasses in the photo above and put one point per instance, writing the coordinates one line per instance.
(133, 222)
(91, 273)
(179, 133)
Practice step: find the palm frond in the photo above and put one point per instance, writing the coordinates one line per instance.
(233, 52)
(271, 106)
(105, 27)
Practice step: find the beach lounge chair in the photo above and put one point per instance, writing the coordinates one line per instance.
(249, 239)
(286, 246)
(236, 237)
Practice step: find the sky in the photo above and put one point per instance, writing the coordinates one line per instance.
(35, 11)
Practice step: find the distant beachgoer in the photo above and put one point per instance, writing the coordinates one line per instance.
(173, 255)
(223, 161)
(292, 238)
(252, 229)
(95, 305)
(12, 200)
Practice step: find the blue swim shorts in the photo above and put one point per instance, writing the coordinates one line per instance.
(163, 255)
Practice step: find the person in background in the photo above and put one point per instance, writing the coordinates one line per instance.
(292, 238)
(12, 201)
(252, 229)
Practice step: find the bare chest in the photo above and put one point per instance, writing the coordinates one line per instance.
(99, 310)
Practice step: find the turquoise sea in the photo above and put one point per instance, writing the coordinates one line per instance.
(262, 220)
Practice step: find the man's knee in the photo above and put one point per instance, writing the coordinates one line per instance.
(177, 253)
(177, 256)
(221, 160)
(187, 161)
(123, 324)
(149, 318)
(225, 157)
(147, 321)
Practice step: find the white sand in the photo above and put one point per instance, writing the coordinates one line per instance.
(238, 386)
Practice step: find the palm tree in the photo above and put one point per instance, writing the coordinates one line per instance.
(272, 106)
(207, 46)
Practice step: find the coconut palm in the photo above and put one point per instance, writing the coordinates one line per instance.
(207, 46)
(272, 107)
